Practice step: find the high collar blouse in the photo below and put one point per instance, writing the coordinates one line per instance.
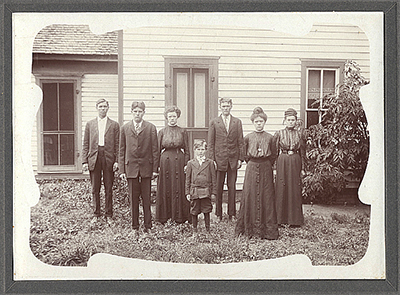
(288, 139)
(259, 145)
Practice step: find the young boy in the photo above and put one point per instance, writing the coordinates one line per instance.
(200, 184)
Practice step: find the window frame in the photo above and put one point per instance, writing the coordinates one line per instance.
(193, 62)
(316, 64)
(77, 167)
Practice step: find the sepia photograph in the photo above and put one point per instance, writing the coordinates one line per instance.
(154, 146)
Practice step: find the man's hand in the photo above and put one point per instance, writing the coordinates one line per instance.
(188, 197)
(155, 174)
(213, 197)
(239, 165)
(85, 167)
(115, 166)
(123, 176)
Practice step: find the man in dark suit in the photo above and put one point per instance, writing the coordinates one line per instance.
(225, 147)
(138, 161)
(99, 155)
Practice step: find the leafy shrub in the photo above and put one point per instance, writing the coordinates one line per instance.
(338, 147)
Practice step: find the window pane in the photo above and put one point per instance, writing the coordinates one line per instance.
(50, 113)
(314, 87)
(200, 99)
(67, 149)
(329, 82)
(66, 102)
(50, 144)
(182, 97)
(312, 118)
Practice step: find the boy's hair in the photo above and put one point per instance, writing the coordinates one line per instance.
(199, 143)
(138, 104)
(101, 100)
(224, 99)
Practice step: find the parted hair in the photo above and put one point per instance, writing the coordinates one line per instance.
(138, 104)
(224, 99)
(258, 112)
(172, 109)
(199, 143)
(101, 100)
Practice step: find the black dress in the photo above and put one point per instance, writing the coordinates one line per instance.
(289, 199)
(171, 201)
(257, 215)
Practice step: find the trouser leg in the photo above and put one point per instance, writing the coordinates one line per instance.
(95, 180)
(134, 193)
(108, 179)
(220, 188)
(145, 184)
(231, 183)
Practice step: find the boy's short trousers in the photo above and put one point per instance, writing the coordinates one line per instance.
(198, 206)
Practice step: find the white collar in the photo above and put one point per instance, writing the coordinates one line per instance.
(99, 119)
(139, 124)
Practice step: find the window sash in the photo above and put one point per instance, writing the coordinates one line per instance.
(57, 149)
(321, 92)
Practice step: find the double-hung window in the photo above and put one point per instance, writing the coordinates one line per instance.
(319, 78)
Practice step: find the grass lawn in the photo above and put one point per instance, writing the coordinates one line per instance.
(62, 234)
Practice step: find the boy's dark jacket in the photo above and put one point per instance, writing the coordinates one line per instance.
(200, 176)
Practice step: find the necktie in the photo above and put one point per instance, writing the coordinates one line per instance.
(226, 123)
(137, 127)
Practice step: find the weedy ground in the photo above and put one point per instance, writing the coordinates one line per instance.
(62, 234)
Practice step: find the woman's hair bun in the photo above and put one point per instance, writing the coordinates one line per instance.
(258, 110)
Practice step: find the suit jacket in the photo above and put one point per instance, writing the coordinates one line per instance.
(225, 147)
(91, 143)
(138, 152)
(200, 176)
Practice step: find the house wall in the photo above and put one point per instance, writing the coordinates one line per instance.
(93, 87)
(257, 67)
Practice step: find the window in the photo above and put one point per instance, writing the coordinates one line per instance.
(191, 83)
(318, 79)
(58, 126)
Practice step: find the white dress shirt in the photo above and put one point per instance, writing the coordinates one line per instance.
(227, 121)
(102, 129)
(137, 126)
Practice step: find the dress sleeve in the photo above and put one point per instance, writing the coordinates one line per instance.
(274, 151)
(186, 146)
(159, 138)
(302, 149)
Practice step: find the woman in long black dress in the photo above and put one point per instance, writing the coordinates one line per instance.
(257, 216)
(290, 146)
(173, 142)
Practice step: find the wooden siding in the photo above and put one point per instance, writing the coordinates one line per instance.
(93, 87)
(257, 67)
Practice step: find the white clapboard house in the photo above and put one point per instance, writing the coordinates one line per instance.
(185, 66)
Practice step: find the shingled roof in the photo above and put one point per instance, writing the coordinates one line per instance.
(74, 39)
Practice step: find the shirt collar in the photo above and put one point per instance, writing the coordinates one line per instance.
(140, 123)
(101, 120)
